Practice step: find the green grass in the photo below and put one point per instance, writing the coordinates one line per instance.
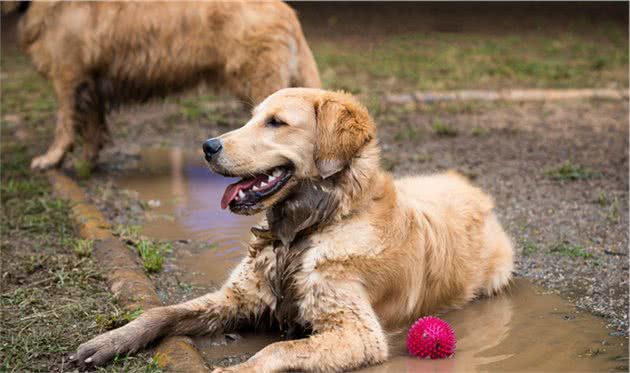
(530, 248)
(128, 232)
(570, 172)
(117, 318)
(83, 247)
(191, 109)
(52, 293)
(477, 131)
(443, 130)
(152, 254)
(24, 92)
(453, 61)
(195, 108)
(408, 134)
(565, 248)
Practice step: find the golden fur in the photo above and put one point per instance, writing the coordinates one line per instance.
(367, 255)
(102, 54)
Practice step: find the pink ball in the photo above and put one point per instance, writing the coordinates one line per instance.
(431, 338)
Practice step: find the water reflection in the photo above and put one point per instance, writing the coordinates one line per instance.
(189, 196)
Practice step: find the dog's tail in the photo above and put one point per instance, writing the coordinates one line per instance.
(307, 74)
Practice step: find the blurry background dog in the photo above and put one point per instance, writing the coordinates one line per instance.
(99, 55)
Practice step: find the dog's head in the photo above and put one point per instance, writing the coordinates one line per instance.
(295, 136)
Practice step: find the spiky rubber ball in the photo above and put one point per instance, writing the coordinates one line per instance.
(431, 338)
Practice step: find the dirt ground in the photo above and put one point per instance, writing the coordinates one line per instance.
(558, 171)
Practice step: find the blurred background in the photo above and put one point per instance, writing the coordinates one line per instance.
(405, 46)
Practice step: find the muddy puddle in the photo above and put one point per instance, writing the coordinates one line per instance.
(525, 329)
(185, 196)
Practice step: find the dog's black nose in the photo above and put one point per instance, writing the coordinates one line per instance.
(212, 147)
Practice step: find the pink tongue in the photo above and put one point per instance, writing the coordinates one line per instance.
(232, 190)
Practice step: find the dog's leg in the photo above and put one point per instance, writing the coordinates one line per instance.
(95, 135)
(94, 131)
(347, 335)
(65, 128)
(238, 301)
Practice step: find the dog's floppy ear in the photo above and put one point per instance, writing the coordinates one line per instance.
(343, 127)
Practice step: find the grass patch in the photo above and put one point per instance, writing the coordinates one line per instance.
(191, 109)
(530, 248)
(408, 134)
(128, 232)
(25, 92)
(52, 292)
(152, 254)
(565, 248)
(117, 318)
(82, 247)
(570, 172)
(435, 60)
(443, 130)
(197, 108)
(477, 131)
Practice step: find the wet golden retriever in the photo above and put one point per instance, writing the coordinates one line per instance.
(345, 252)
(99, 55)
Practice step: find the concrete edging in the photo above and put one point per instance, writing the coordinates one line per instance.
(506, 95)
(125, 278)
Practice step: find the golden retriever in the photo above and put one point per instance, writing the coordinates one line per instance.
(344, 252)
(99, 55)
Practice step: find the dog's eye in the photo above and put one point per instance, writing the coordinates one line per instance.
(273, 122)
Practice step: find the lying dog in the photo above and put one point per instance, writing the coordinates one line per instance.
(344, 252)
(102, 54)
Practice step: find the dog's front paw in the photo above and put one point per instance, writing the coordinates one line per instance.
(46, 161)
(101, 349)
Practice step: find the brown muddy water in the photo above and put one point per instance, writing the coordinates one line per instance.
(525, 329)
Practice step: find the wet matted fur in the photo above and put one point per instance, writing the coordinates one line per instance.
(344, 251)
(99, 55)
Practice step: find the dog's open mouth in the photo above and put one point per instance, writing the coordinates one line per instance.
(249, 191)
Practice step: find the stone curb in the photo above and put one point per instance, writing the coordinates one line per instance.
(126, 279)
(506, 95)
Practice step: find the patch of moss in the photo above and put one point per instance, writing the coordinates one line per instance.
(443, 130)
(571, 172)
(565, 248)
